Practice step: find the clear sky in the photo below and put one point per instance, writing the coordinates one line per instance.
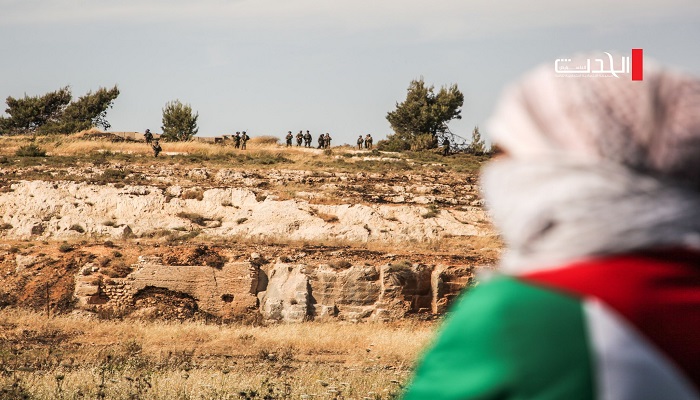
(338, 66)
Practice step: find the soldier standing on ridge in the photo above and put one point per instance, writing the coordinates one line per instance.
(156, 148)
(244, 139)
(307, 139)
(148, 136)
(445, 146)
(321, 141)
(289, 138)
(327, 140)
(359, 142)
(300, 137)
(368, 141)
(237, 140)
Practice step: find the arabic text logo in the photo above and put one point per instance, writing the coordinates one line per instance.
(598, 67)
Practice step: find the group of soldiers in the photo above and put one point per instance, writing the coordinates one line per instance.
(301, 137)
(366, 141)
(324, 140)
(240, 140)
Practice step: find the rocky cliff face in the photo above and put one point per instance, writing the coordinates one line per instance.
(277, 292)
(69, 210)
(337, 237)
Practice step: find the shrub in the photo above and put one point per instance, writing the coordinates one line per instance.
(478, 145)
(179, 123)
(264, 140)
(433, 211)
(342, 264)
(393, 145)
(118, 270)
(330, 218)
(77, 228)
(65, 248)
(193, 194)
(114, 174)
(400, 265)
(31, 150)
(193, 217)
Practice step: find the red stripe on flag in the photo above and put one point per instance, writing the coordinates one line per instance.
(637, 64)
(657, 292)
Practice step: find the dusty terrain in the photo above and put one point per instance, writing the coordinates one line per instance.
(100, 236)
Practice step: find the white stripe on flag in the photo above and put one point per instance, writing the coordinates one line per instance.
(627, 366)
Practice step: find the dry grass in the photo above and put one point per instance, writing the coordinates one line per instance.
(262, 152)
(66, 355)
(263, 140)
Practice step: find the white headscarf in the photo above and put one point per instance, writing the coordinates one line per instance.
(595, 166)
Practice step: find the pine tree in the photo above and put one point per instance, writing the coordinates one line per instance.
(87, 112)
(55, 113)
(420, 119)
(27, 114)
(179, 124)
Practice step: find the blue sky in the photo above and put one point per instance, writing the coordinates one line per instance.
(269, 66)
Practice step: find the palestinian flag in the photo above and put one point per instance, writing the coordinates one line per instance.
(621, 328)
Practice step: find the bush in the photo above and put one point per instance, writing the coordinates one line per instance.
(31, 150)
(114, 175)
(393, 144)
(433, 212)
(65, 248)
(193, 194)
(179, 123)
(77, 228)
(342, 264)
(264, 140)
(193, 217)
(118, 270)
(330, 218)
(399, 265)
(478, 145)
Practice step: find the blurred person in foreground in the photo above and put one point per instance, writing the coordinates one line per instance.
(597, 198)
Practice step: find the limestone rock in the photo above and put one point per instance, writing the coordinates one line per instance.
(281, 292)
(287, 294)
(140, 210)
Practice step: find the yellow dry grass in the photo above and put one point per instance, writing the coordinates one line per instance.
(196, 360)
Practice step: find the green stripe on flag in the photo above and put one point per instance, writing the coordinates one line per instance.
(507, 339)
